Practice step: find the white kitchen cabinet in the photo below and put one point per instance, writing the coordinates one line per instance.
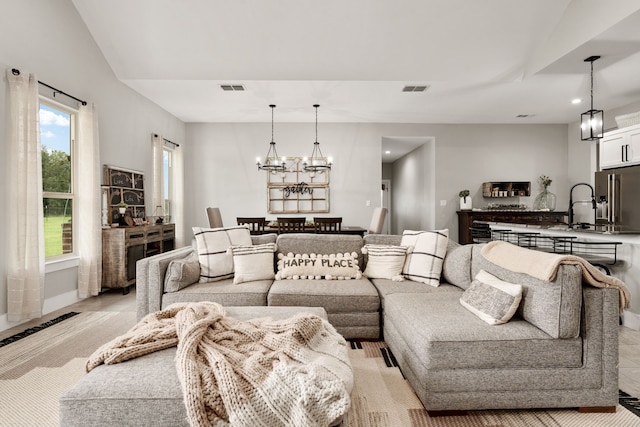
(620, 147)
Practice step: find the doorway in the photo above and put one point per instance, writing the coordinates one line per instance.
(385, 202)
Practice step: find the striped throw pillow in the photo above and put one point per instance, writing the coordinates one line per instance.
(492, 299)
(424, 263)
(385, 261)
(212, 245)
(253, 262)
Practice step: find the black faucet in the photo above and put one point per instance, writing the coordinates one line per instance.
(594, 205)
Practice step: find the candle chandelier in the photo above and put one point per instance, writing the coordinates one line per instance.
(592, 121)
(272, 162)
(317, 163)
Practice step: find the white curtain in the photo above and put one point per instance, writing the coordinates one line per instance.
(25, 222)
(157, 195)
(177, 207)
(177, 183)
(88, 197)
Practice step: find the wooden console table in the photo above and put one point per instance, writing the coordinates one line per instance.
(466, 219)
(122, 247)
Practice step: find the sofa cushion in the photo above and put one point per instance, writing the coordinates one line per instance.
(253, 262)
(212, 244)
(336, 296)
(424, 262)
(456, 267)
(182, 273)
(224, 292)
(457, 339)
(385, 261)
(317, 266)
(491, 299)
(387, 286)
(554, 307)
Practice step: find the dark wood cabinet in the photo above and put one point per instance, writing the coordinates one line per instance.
(466, 219)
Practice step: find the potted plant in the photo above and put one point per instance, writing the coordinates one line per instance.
(465, 200)
(122, 207)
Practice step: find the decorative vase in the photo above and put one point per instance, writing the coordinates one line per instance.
(465, 203)
(545, 200)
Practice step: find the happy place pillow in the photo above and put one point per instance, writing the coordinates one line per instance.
(424, 263)
(253, 262)
(385, 261)
(491, 299)
(212, 245)
(312, 266)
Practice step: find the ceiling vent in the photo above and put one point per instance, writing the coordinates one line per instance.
(415, 88)
(522, 116)
(232, 88)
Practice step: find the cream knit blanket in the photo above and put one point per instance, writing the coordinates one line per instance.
(293, 372)
(544, 266)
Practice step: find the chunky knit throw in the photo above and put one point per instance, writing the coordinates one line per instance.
(292, 372)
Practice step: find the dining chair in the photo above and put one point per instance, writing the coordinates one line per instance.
(291, 225)
(256, 224)
(377, 220)
(327, 225)
(215, 218)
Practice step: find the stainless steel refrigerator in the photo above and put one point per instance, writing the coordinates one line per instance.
(618, 197)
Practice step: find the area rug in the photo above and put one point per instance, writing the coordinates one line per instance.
(36, 368)
(383, 398)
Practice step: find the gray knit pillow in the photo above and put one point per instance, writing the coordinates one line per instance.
(182, 273)
(491, 299)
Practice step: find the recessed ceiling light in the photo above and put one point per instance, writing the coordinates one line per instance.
(576, 101)
(387, 152)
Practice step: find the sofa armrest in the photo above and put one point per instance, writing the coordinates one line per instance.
(150, 274)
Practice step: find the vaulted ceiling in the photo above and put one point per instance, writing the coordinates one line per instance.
(482, 61)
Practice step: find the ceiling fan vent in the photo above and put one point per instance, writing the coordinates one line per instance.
(232, 88)
(415, 88)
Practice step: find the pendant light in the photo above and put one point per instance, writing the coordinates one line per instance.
(317, 163)
(272, 162)
(592, 121)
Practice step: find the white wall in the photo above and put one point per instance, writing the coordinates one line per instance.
(49, 39)
(220, 166)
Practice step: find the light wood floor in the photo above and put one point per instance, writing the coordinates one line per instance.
(113, 300)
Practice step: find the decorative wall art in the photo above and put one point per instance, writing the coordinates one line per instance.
(297, 191)
(124, 186)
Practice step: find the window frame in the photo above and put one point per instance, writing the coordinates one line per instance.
(73, 129)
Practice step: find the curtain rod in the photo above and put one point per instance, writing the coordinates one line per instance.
(166, 140)
(16, 72)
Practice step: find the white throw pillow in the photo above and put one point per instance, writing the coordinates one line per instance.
(253, 262)
(212, 245)
(312, 266)
(385, 261)
(492, 299)
(424, 263)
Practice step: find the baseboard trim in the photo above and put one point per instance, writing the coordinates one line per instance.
(631, 320)
(50, 305)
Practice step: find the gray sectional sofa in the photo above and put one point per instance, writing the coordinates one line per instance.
(559, 350)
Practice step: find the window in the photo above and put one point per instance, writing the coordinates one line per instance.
(57, 136)
(167, 165)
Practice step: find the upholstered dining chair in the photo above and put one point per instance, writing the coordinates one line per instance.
(291, 225)
(377, 220)
(255, 224)
(327, 225)
(215, 219)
